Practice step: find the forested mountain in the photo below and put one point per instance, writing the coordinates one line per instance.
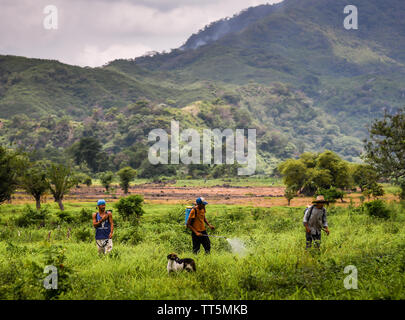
(290, 70)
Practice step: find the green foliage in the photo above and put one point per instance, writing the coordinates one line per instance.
(34, 182)
(315, 171)
(126, 175)
(60, 180)
(87, 181)
(31, 216)
(65, 216)
(84, 234)
(364, 175)
(106, 178)
(385, 149)
(54, 255)
(331, 194)
(85, 215)
(130, 235)
(10, 166)
(88, 150)
(373, 189)
(274, 240)
(290, 193)
(378, 209)
(130, 208)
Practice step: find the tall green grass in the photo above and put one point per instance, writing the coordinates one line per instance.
(275, 266)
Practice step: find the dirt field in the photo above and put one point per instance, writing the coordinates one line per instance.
(253, 196)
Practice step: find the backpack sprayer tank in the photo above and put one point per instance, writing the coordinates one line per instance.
(187, 213)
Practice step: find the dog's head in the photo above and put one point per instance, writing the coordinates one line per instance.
(172, 256)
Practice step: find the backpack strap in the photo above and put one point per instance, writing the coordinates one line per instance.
(310, 212)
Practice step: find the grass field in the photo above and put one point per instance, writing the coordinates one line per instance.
(274, 266)
(232, 182)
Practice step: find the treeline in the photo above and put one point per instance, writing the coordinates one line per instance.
(328, 174)
(40, 177)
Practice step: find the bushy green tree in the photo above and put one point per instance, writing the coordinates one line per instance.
(364, 175)
(385, 148)
(60, 180)
(130, 208)
(87, 150)
(35, 183)
(289, 194)
(313, 171)
(126, 175)
(106, 178)
(11, 166)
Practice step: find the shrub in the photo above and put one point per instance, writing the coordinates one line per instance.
(331, 194)
(83, 234)
(85, 215)
(65, 216)
(377, 208)
(130, 208)
(31, 216)
(130, 236)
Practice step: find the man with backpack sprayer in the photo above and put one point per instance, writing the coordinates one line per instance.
(196, 222)
(315, 221)
(103, 222)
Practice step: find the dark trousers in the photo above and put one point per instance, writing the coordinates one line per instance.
(315, 237)
(198, 241)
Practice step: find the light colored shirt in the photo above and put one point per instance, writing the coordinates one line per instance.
(317, 221)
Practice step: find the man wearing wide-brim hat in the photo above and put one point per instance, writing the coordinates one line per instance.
(315, 221)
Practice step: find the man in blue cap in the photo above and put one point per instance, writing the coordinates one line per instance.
(196, 222)
(103, 222)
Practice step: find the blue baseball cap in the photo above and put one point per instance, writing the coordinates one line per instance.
(100, 202)
(201, 200)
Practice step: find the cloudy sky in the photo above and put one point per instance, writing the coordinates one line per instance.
(93, 32)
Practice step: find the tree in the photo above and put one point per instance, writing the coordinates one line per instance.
(373, 189)
(130, 208)
(289, 194)
(126, 175)
(60, 180)
(385, 148)
(294, 173)
(364, 175)
(314, 171)
(88, 149)
(338, 169)
(35, 183)
(11, 164)
(106, 178)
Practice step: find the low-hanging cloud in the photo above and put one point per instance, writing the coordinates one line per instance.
(94, 32)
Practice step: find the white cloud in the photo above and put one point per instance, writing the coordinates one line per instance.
(93, 32)
(93, 56)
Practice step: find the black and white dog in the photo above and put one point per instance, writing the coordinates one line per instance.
(175, 264)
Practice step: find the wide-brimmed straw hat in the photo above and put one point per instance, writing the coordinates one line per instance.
(320, 199)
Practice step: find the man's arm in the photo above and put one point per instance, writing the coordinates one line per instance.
(95, 223)
(209, 225)
(305, 221)
(112, 224)
(325, 222)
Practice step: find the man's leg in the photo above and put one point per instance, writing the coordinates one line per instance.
(196, 242)
(100, 247)
(109, 246)
(317, 240)
(206, 242)
(308, 240)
